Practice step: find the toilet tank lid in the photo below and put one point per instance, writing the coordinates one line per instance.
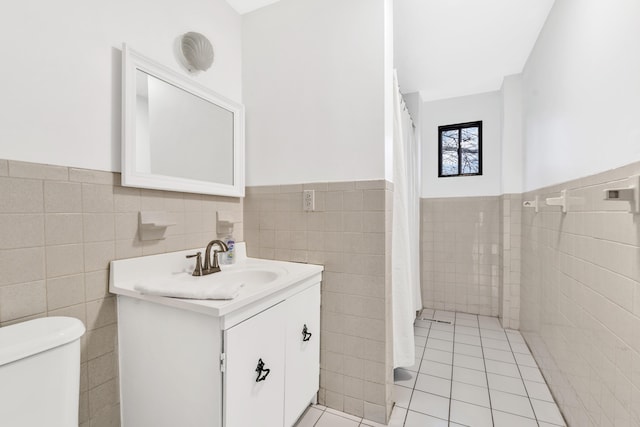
(35, 336)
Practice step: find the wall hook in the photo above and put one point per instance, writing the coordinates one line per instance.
(535, 204)
(629, 194)
(558, 201)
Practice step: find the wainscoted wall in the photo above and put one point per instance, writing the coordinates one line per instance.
(461, 249)
(509, 260)
(349, 233)
(471, 255)
(580, 308)
(580, 280)
(59, 229)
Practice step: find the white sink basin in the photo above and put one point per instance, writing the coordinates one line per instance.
(244, 284)
(246, 277)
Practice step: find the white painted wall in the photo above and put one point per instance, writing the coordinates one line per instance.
(486, 107)
(512, 160)
(581, 87)
(60, 75)
(388, 90)
(413, 102)
(313, 87)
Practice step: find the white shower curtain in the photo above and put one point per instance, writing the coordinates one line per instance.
(405, 246)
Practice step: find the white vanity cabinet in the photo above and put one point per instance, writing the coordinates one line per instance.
(302, 380)
(194, 363)
(275, 338)
(252, 396)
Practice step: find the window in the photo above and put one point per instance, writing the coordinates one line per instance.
(460, 149)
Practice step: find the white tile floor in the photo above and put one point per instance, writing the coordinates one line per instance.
(469, 372)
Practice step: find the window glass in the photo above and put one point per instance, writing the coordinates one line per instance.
(450, 152)
(460, 149)
(469, 159)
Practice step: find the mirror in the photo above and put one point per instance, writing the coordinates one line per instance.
(178, 135)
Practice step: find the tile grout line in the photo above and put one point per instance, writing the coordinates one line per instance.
(417, 373)
(453, 353)
(431, 361)
(493, 373)
(524, 385)
(324, 411)
(44, 248)
(413, 388)
(535, 416)
(486, 375)
(318, 420)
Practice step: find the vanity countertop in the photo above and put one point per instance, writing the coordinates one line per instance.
(278, 279)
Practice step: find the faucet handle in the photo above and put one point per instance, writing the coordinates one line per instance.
(216, 260)
(198, 270)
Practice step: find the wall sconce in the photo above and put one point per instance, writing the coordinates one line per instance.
(197, 51)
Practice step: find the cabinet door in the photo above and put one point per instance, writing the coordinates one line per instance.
(248, 402)
(303, 352)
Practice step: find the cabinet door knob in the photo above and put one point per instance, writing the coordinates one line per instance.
(305, 334)
(262, 371)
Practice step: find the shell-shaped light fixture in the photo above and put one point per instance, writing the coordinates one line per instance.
(197, 51)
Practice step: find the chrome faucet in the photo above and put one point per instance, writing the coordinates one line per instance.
(211, 265)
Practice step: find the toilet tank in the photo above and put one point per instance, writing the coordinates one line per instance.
(40, 372)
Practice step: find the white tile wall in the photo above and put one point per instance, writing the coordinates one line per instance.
(580, 307)
(571, 281)
(349, 233)
(510, 231)
(59, 228)
(461, 252)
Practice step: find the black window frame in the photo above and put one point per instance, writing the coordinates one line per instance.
(459, 127)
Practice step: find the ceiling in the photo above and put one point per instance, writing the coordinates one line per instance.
(246, 6)
(449, 48)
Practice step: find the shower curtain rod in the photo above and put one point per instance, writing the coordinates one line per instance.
(405, 108)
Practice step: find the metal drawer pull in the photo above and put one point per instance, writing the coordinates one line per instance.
(262, 372)
(305, 335)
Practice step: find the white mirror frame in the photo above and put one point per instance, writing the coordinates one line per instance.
(133, 61)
